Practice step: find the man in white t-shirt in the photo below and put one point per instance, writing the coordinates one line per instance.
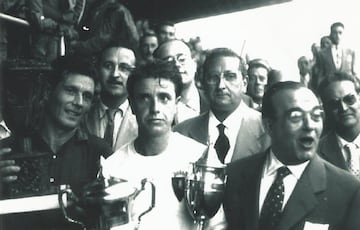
(157, 153)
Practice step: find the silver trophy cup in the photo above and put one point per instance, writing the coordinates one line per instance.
(203, 188)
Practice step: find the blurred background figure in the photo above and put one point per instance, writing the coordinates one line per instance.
(148, 44)
(257, 75)
(166, 31)
(274, 76)
(325, 42)
(304, 66)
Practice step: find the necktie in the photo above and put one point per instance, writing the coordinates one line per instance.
(271, 211)
(353, 159)
(109, 130)
(222, 144)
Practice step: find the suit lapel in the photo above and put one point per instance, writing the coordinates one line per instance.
(127, 130)
(201, 132)
(332, 152)
(303, 199)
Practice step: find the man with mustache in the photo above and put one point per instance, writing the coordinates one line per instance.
(341, 145)
(111, 117)
(288, 186)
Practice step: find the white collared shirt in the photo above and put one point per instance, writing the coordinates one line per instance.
(119, 115)
(272, 164)
(337, 55)
(342, 144)
(232, 126)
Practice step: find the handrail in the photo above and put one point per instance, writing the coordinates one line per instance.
(13, 19)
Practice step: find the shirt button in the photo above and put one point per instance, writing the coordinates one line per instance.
(54, 156)
(52, 180)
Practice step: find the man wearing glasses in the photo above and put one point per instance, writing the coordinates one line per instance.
(289, 186)
(111, 117)
(341, 145)
(178, 51)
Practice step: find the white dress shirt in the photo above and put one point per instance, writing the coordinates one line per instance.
(272, 164)
(119, 115)
(232, 126)
(336, 52)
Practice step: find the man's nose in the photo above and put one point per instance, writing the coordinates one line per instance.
(309, 122)
(78, 99)
(342, 105)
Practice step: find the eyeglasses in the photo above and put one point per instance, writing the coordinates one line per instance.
(180, 58)
(349, 99)
(298, 115)
(214, 78)
(123, 67)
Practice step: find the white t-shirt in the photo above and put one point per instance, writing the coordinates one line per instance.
(127, 164)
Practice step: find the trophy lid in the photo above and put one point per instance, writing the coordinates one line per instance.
(118, 191)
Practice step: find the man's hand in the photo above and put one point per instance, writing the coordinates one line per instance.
(8, 169)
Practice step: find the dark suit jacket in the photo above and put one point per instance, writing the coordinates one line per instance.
(330, 150)
(251, 138)
(325, 63)
(324, 194)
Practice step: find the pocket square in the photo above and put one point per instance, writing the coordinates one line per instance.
(315, 226)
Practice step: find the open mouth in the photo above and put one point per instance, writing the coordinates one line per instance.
(307, 142)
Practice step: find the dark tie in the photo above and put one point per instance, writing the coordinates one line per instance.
(272, 208)
(109, 130)
(222, 144)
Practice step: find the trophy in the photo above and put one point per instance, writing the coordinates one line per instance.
(107, 204)
(203, 188)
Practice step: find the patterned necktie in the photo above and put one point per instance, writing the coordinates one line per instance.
(109, 130)
(222, 144)
(353, 159)
(271, 211)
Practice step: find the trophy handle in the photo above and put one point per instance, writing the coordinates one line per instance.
(152, 205)
(66, 190)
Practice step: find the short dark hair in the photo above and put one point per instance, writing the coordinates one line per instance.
(155, 69)
(164, 23)
(145, 35)
(256, 63)
(268, 110)
(222, 52)
(336, 24)
(72, 64)
(334, 77)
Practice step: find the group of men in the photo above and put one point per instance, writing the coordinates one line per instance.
(147, 124)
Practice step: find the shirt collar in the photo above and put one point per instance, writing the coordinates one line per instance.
(3, 124)
(272, 164)
(232, 119)
(103, 108)
(343, 142)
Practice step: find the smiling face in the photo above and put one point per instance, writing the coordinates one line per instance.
(70, 100)
(116, 64)
(342, 105)
(154, 104)
(223, 83)
(296, 125)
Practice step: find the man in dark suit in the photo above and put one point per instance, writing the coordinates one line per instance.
(340, 95)
(289, 186)
(335, 57)
(223, 86)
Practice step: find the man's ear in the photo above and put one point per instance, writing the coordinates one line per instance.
(267, 123)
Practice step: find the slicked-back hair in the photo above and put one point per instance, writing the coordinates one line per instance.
(157, 51)
(336, 24)
(156, 69)
(334, 77)
(222, 52)
(268, 106)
